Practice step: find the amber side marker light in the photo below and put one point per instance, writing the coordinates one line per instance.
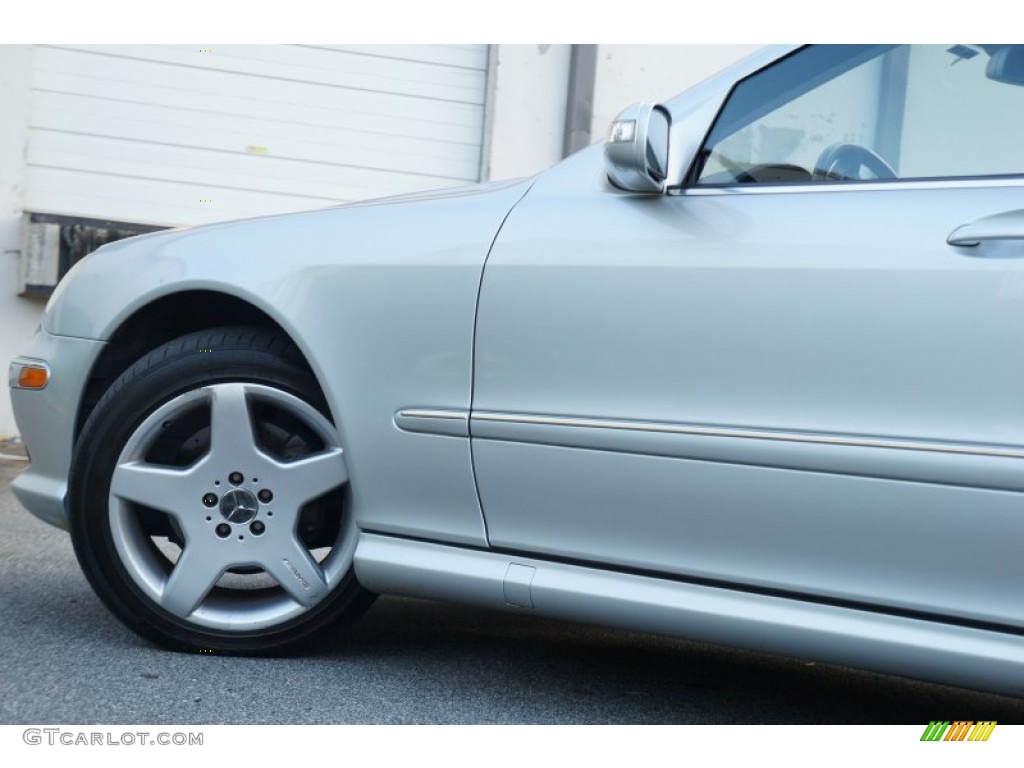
(29, 375)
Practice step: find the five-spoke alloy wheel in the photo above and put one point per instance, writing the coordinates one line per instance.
(209, 498)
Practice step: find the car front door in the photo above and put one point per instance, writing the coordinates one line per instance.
(801, 372)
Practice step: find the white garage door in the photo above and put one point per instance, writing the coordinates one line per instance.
(172, 135)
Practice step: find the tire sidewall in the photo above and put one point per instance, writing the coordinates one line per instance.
(174, 371)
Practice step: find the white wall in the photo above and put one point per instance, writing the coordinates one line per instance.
(526, 111)
(18, 316)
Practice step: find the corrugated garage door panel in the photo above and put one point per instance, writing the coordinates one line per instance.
(469, 56)
(145, 133)
(303, 106)
(217, 169)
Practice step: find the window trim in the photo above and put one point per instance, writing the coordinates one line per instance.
(945, 183)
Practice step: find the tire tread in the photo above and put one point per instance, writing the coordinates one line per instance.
(270, 352)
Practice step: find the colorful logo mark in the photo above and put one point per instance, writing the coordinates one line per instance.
(958, 730)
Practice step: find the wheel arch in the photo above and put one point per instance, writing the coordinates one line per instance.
(162, 320)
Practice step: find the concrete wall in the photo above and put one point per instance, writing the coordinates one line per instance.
(18, 316)
(526, 111)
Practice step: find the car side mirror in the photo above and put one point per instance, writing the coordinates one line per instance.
(1007, 65)
(636, 152)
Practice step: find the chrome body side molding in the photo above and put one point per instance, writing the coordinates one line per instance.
(433, 421)
(963, 464)
(485, 419)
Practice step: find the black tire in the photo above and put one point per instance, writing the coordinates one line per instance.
(166, 466)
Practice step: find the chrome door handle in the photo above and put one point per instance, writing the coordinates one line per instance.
(1001, 226)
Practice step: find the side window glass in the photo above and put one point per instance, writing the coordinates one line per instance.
(848, 113)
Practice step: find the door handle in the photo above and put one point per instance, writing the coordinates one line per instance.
(1000, 226)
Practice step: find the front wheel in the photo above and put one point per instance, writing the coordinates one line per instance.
(209, 498)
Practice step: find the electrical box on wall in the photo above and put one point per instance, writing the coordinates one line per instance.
(52, 244)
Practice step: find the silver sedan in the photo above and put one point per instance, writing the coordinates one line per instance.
(748, 372)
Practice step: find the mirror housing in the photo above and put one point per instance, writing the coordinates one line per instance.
(636, 151)
(1006, 65)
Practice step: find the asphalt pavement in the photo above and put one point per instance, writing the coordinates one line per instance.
(66, 660)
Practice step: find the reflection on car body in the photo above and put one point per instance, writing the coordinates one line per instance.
(746, 373)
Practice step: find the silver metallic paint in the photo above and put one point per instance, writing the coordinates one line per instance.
(627, 161)
(841, 313)
(904, 646)
(911, 546)
(751, 312)
(333, 280)
(993, 466)
(46, 420)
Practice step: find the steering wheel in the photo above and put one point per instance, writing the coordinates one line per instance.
(842, 162)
